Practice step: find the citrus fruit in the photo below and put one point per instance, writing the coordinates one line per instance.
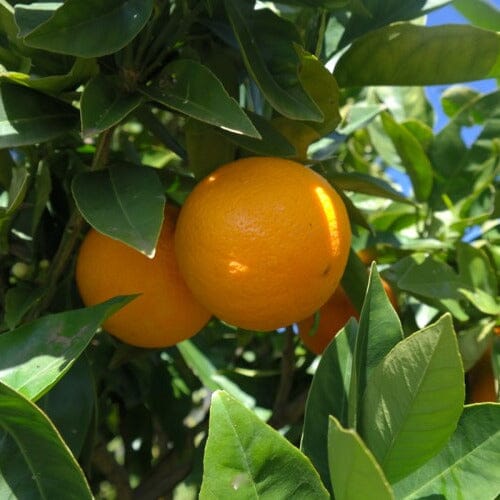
(262, 242)
(481, 380)
(165, 313)
(333, 315)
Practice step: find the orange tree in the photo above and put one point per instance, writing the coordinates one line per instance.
(111, 108)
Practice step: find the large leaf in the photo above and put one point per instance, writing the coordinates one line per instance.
(413, 156)
(83, 29)
(354, 472)
(104, 104)
(272, 63)
(36, 355)
(328, 395)
(125, 202)
(34, 460)
(467, 467)
(378, 332)
(191, 88)
(481, 13)
(245, 458)
(28, 117)
(407, 54)
(413, 400)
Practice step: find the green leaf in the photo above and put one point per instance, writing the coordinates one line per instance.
(354, 472)
(83, 29)
(28, 117)
(266, 44)
(481, 13)
(358, 116)
(18, 188)
(378, 332)
(413, 400)
(473, 342)
(328, 396)
(191, 88)
(245, 458)
(475, 268)
(407, 54)
(367, 184)
(36, 355)
(70, 404)
(125, 202)
(34, 460)
(104, 104)
(18, 301)
(413, 156)
(467, 467)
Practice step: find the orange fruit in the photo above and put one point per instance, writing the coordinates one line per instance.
(334, 314)
(165, 313)
(481, 380)
(263, 242)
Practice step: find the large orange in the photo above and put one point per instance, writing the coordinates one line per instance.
(333, 315)
(263, 242)
(165, 313)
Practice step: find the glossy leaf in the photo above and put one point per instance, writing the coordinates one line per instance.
(467, 467)
(34, 460)
(413, 400)
(191, 88)
(280, 86)
(104, 105)
(407, 54)
(378, 332)
(246, 458)
(70, 404)
(125, 202)
(328, 395)
(28, 117)
(354, 472)
(36, 355)
(83, 29)
(413, 157)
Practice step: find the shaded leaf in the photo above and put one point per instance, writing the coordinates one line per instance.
(28, 117)
(413, 400)
(246, 458)
(407, 54)
(36, 355)
(467, 467)
(191, 88)
(83, 29)
(18, 301)
(354, 472)
(34, 460)
(124, 202)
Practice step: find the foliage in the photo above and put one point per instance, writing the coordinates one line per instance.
(110, 107)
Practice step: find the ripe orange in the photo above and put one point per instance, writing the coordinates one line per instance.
(332, 317)
(165, 313)
(481, 381)
(263, 242)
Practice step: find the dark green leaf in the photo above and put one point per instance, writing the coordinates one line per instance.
(413, 400)
(18, 301)
(28, 117)
(90, 29)
(34, 461)
(272, 63)
(412, 156)
(125, 202)
(467, 467)
(245, 457)
(191, 88)
(36, 355)
(104, 104)
(328, 396)
(354, 472)
(407, 54)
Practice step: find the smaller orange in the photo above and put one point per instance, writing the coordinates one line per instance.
(481, 381)
(165, 313)
(333, 315)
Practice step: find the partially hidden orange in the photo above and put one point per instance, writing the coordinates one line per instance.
(334, 314)
(481, 381)
(263, 242)
(165, 313)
